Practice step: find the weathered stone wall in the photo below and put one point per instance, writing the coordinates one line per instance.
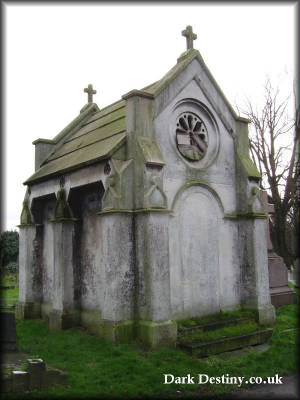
(48, 252)
(116, 259)
(204, 258)
(91, 271)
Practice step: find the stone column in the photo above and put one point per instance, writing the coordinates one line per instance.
(63, 314)
(117, 263)
(155, 327)
(152, 305)
(30, 268)
(254, 268)
(266, 311)
(252, 231)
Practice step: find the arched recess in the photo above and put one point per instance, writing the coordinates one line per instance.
(42, 209)
(194, 251)
(85, 201)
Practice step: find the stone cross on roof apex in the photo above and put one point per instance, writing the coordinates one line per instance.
(190, 37)
(90, 91)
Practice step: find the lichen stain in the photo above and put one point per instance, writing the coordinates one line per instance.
(88, 283)
(127, 284)
(37, 265)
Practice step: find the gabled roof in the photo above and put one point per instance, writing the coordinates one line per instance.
(97, 138)
(105, 131)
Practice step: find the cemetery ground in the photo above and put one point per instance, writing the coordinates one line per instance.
(96, 369)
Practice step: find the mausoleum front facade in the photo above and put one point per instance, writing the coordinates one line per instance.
(144, 213)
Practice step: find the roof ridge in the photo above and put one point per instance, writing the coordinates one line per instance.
(75, 122)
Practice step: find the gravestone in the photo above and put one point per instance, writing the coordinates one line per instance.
(294, 273)
(8, 331)
(145, 212)
(281, 293)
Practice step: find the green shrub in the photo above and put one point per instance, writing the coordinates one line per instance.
(9, 247)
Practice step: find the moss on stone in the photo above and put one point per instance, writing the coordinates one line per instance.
(28, 310)
(46, 309)
(116, 332)
(62, 209)
(150, 151)
(249, 166)
(200, 335)
(196, 182)
(250, 215)
(25, 214)
(140, 210)
(217, 346)
(59, 320)
(157, 334)
(75, 160)
(91, 320)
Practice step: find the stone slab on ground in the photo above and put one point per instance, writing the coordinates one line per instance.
(215, 325)
(13, 378)
(203, 349)
(260, 348)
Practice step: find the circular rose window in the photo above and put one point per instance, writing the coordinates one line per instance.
(191, 136)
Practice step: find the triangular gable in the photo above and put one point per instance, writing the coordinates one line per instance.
(183, 61)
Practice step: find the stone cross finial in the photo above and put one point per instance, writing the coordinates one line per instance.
(190, 37)
(89, 90)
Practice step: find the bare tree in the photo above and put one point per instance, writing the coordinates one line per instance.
(274, 140)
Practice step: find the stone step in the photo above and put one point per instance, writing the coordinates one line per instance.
(210, 326)
(204, 349)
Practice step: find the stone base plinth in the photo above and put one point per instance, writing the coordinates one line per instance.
(92, 321)
(116, 332)
(157, 334)
(266, 315)
(28, 310)
(59, 320)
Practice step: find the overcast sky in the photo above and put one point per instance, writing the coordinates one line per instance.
(53, 51)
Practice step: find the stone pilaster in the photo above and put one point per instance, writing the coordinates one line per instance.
(155, 327)
(63, 314)
(254, 269)
(30, 269)
(252, 231)
(151, 297)
(117, 262)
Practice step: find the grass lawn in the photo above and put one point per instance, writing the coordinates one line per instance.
(9, 297)
(100, 370)
(126, 371)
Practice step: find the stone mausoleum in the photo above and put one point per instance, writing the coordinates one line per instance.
(145, 212)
